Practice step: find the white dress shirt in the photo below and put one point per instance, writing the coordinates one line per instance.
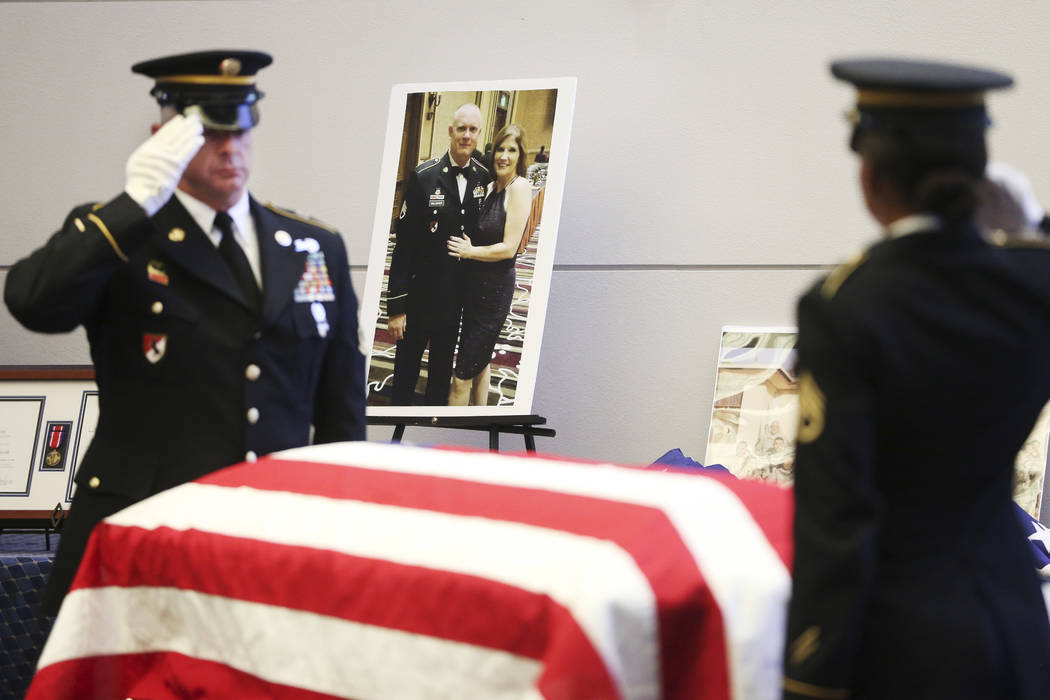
(243, 227)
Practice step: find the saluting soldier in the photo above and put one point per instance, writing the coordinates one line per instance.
(922, 370)
(221, 328)
(442, 199)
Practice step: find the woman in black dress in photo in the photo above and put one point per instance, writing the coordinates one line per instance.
(488, 262)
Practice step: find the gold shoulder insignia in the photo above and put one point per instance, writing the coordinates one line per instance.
(840, 273)
(1001, 239)
(811, 404)
(804, 645)
(289, 214)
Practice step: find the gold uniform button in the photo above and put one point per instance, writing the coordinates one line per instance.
(252, 372)
(95, 482)
(157, 307)
(176, 235)
(253, 415)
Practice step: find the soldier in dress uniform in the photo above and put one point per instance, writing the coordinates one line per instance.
(221, 328)
(442, 199)
(922, 371)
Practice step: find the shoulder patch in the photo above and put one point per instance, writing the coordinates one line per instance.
(840, 274)
(289, 214)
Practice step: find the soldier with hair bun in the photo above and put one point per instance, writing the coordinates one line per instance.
(922, 370)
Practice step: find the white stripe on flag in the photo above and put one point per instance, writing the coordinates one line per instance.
(285, 646)
(595, 580)
(745, 574)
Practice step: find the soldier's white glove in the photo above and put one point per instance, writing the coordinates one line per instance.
(155, 168)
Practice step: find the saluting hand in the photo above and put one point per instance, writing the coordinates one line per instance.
(460, 247)
(155, 168)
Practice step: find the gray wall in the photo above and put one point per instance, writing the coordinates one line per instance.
(708, 180)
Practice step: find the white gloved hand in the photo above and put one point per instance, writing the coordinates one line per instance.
(155, 168)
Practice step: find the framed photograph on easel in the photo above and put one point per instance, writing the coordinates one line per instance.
(428, 306)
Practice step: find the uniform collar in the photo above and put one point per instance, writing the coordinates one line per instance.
(244, 225)
(452, 161)
(204, 215)
(913, 223)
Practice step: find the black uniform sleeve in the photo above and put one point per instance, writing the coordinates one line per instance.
(339, 405)
(58, 286)
(837, 508)
(405, 248)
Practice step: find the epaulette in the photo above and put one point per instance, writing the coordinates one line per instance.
(1002, 239)
(289, 214)
(840, 273)
(479, 164)
(427, 164)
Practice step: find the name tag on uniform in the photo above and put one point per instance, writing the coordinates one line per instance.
(437, 200)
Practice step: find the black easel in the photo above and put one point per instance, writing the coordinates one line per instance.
(530, 426)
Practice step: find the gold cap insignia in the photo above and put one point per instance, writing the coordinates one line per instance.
(811, 405)
(230, 66)
(176, 235)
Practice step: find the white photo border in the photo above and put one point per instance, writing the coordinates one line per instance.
(370, 299)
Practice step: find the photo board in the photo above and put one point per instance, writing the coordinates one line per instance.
(417, 152)
(754, 415)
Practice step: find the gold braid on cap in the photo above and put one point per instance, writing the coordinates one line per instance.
(906, 99)
(209, 79)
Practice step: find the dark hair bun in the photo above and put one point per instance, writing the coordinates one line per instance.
(952, 194)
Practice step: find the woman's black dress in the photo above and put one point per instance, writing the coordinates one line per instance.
(488, 290)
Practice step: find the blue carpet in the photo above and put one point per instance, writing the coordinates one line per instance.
(25, 564)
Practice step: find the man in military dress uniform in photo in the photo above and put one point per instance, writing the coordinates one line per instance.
(221, 328)
(442, 199)
(922, 369)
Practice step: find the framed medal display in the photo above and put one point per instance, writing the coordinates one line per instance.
(44, 427)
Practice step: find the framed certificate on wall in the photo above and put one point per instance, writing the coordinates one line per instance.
(47, 419)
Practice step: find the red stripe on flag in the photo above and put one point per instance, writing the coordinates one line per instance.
(689, 617)
(155, 676)
(436, 603)
(771, 507)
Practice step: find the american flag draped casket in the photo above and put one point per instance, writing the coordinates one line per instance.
(368, 570)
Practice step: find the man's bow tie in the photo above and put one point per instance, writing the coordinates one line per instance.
(456, 170)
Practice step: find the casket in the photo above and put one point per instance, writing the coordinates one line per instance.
(365, 570)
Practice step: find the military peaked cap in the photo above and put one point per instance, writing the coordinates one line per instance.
(917, 96)
(218, 85)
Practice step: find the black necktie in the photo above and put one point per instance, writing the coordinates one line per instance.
(234, 255)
